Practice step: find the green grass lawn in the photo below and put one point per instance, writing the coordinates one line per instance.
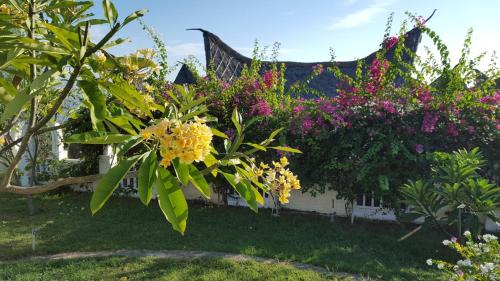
(119, 268)
(64, 223)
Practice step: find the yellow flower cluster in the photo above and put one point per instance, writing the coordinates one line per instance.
(4, 9)
(189, 141)
(278, 178)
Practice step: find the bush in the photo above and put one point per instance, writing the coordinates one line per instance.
(480, 261)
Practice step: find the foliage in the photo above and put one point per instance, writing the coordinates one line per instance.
(479, 260)
(372, 134)
(454, 193)
(162, 128)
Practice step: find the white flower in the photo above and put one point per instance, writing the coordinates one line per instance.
(467, 263)
(489, 237)
(440, 266)
(429, 262)
(487, 267)
(467, 233)
(446, 242)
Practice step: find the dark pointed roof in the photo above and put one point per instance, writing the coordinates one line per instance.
(227, 63)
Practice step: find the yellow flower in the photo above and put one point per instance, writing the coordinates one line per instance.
(100, 57)
(2, 141)
(189, 141)
(4, 9)
(284, 161)
(148, 88)
(280, 181)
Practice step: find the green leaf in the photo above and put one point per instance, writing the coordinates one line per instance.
(236, 118)
(68, 38)
(7, 91)
(96, 101)
(107, 185)
(135, 15)
(16, 105)
(244, 189)
(258, 146)
(219, 133)
(146, 177)
(286, 148)
(109, 11)
(123, 91)
(93, 137)
(171, 200)
(32, 44)
(199, 181)
(182, 171)
(209, 161)
(124, 147)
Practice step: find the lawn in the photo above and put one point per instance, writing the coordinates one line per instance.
(120, 268)
(64, 224)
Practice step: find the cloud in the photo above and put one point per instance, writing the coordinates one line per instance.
(360, 17)
(185, 49)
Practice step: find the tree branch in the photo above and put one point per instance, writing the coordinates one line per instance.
(37, 189)
(41, 131)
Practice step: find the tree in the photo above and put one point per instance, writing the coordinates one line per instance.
(48, 56)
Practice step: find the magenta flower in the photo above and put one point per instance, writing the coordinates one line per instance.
(471, 129)
(298, 109)
(452, 130)
(307, 125)
(424, 96)
(261, 108)
(492, 100)
(391, 41)
(389, 107)
(419, 148)
(420, 21)
(429, 122)
(318, 69)
(268, 78)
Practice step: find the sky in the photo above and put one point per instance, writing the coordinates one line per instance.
(306, 29)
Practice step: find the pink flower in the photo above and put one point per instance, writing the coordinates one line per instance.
(459, 273)
(492, 100)
(327, 107)
(420, 21)
(453, 239)
(391, 41)
(429, 122)
(318, 69)
(419, 148)
(225, 85)
(452, 130)
(298, 109)
(307, 125)
(389, 107)
(261, 108)
(471, 129)
(268, 78)
(424, 96)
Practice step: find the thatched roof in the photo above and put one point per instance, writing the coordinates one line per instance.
(228, 63)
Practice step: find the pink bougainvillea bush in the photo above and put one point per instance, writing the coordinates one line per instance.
(373, 134)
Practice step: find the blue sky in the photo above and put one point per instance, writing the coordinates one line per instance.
(306, 29)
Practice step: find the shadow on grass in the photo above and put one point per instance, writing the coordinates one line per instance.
(367, 248)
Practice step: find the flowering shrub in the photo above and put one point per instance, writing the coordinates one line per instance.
(372, 135)
(479, 260)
